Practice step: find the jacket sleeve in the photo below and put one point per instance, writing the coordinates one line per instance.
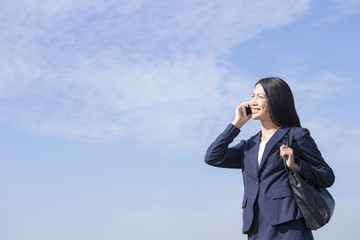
(312, 165)
(220, 155)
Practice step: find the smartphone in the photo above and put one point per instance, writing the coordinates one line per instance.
(246, 111)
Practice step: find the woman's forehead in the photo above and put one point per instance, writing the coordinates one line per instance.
(259, 89)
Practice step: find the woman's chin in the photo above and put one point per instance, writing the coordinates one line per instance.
(255, 117)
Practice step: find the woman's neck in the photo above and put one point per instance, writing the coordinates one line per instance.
(268, 128)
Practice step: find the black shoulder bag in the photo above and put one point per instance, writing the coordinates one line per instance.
(316, 204)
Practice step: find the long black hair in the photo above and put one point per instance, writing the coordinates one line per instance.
(280, 101)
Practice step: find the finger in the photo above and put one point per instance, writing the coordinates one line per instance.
(246, 104)
(285, 156)
(282, 153)
(238, 109)
(284, 147)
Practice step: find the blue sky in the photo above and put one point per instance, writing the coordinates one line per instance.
(108, 108)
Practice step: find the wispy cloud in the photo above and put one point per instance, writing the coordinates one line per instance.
(339, 9)
(102, 70)
(322, 106)
(158, 71)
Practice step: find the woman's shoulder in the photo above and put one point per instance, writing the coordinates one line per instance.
(302, 134)
(251, 140)
(301, 131)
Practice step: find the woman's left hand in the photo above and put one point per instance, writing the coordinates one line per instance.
(288, 154)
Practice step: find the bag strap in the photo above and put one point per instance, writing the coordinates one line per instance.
(288, 143)
(290, 136)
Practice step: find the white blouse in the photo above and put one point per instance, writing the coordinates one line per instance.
(261, 151)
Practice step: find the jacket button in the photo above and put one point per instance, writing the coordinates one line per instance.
(257, 182)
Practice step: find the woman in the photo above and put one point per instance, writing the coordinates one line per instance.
(269, 209)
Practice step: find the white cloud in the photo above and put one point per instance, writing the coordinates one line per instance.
(100, 70)
(320, 87)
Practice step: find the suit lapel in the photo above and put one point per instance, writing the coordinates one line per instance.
(251, 159)
(278, 135)
(253, 153)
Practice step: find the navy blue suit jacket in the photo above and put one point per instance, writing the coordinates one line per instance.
(268, 183)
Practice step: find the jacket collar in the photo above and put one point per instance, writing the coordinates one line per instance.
(275, 138)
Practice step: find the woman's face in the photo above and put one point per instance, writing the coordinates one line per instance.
(259, 104)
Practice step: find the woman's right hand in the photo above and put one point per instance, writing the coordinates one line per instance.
(240, 120)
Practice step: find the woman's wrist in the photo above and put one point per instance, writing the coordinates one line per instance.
(237, 124)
